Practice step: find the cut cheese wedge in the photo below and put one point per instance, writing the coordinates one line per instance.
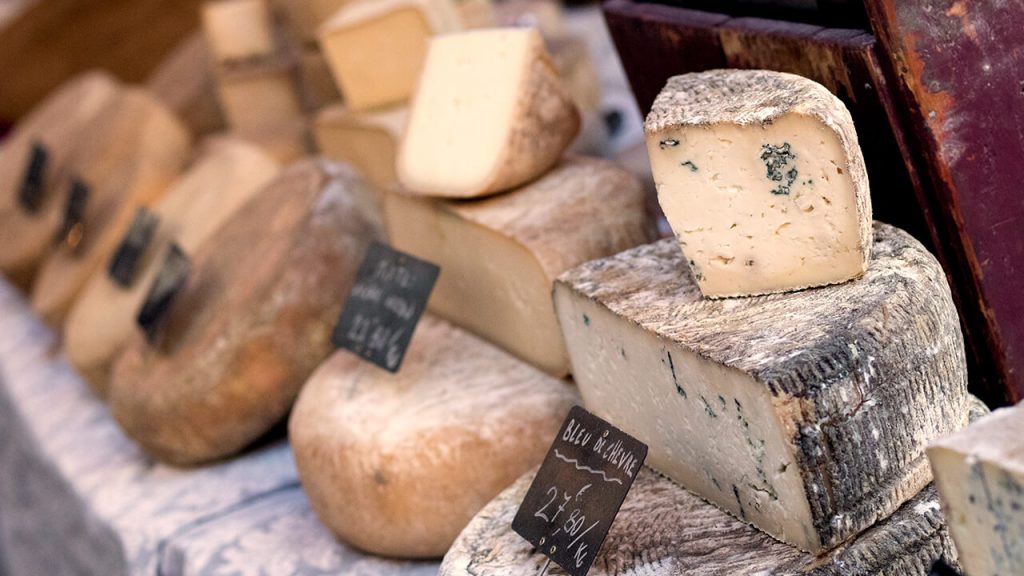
(664, 530)
(218, 184)
(762, 180)
(820, 402)
(252, 321)
(367, 140)
(238, 29)
(135, 152)
(62, 122)
(185, 82)
(397, 464)
(376, 47)
(500, 255)
(260, 94)
(980, 475)
(490, 114)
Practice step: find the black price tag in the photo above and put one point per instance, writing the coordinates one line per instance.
(31, 194)
(579, 489)
(72, 229)
(942, 568)
(126, 259)
(386, 302)
(165, 288)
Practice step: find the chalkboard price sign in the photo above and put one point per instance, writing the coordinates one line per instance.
(942, 568)
(386, 302)
(579, 489)
(168, 283)
(31, 193)
(125, 261)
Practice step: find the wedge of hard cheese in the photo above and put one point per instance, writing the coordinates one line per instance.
(376, 47)
(58, 124)
(819, 403)
(397, 464)
(218, 184)
(367, 140)
(253, 320)
(664, 530)
(761, 177)
(500, 255)
(238, 29)
(490, 114)
(137, 149)
(979, 472)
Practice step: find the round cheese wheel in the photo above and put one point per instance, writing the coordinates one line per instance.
(252, 321)
(226, 175)
(59, 124)
(397, 464)
(137, 148)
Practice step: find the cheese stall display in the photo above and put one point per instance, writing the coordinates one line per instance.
(227, 174)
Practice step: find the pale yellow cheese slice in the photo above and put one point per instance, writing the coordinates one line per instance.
(367, 140)
(238, 29)
(260, 94)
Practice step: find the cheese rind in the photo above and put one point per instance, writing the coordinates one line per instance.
(376, 48)
(761, 177)
(979, 472)
(500, 255)
(217, 185)
(367, 140)
(490, 114)
(820, 402)
(238, 29)
(253, 320)
(397, 464)
(60, 123)
(137, 149)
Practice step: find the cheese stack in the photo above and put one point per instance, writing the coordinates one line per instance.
(225, 176)
(494, 204)
(804, 412)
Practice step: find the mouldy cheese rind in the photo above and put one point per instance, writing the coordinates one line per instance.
(820, 402)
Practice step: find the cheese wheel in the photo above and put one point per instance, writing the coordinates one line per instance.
(136, 150)
(59, 123)
(397, 464)
(500, 255)
(218, 184)
(238, 29)
(252, 321)
(490, 114)
(367, 140)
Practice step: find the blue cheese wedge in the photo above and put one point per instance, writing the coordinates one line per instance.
(980, 475)
(761, 177)
(819, 403)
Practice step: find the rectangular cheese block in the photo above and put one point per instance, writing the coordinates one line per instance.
(490, 114)
(805, 414)
(376, 48)
(238, 29)
(499, 256)
(260, 94)
(980, 475)
(761, 177)
(367, 140)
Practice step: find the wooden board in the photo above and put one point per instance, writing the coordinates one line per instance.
(53, 39)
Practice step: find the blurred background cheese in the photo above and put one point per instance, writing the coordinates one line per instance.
(238, 29)
(367, 140)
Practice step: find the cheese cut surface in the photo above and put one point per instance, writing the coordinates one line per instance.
(490, 114)
(500, 255)
(217, 185)
(367, 140)
(238, 29)
(979, 472)
(60, 123)
(397, 464)
(820, 402)
(665, 530)
(264, 94)
(376, 48)
(762, 180)
(253, 320)
(137, 149)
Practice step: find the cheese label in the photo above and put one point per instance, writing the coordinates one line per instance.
(31, 194)
(124, 264)
(579, 489)
(166, 286)
(389, 296)
(942, 568)
(72, 228)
